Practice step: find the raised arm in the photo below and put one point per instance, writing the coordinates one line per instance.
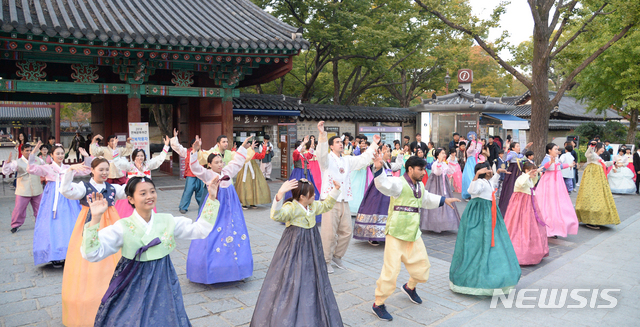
(205, 175)
(397, 164)
(236, 164)
(261, 155)
(364, 160)
(97, 245)
(157, 161)
(123, 164)
(389, 186)
(128, 148)
(176, 146)
(37, 168)
(187, 229)
(322, 150)
(71, 191)
(96, 150)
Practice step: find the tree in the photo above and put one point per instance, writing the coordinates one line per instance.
(77, 114)
(613, 80)
(548, 43)
(163, 114)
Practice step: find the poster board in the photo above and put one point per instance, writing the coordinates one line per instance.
(139, 134)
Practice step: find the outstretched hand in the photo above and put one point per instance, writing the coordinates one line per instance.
(376, 139)
(246, 143)
(83, 152)
(175, 132)
(167, 140)
(98, 205)
(377, 161)
(451, 201)
(321, 126)
(336, 184)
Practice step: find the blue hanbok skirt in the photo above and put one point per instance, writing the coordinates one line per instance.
(225, 255)
(467, 176)
(297, 174)
(152, 298)
(51, 235)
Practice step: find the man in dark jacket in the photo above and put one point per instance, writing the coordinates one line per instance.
(418, 144)
(493, 151)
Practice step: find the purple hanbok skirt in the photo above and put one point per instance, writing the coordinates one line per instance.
(372, 216)
(443, 218)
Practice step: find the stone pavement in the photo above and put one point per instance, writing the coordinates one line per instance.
(607, 258)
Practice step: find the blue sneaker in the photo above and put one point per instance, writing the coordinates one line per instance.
(413, 295)
(381, 312)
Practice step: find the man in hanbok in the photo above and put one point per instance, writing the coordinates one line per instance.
(221, 148)
(336, 229)
(193, 184)
(28, 187)
(110, 152)
(403, 242)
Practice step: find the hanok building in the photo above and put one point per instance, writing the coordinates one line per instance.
(118, 54)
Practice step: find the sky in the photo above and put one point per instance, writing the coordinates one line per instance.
(517, 20)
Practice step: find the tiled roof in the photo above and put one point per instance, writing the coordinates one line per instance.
(267, 102)
(568, 107)
(358, 113)
(462, 97)
(237, 24)
(8, 112)
(558, 124)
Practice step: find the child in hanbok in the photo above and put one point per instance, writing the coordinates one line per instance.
(595, 205)
(514, 158)
(431, 156)
(567, 173)
(54, 223)
(456, 173)
(296, 290)
(84, 283)
(556, 206)
(225, 255)
(144, 290)
(301, 169)
(139, 166)
(483, 259)
(442, 218)
(373, 211)
(621, 177)
(250, 184)
(523, 219)
(473, 156)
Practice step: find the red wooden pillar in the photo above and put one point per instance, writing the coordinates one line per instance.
(57, 122)
(133, 106)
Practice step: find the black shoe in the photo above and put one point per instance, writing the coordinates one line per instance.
(57, 264)
(381, 312)
(592, 226)
(13, 230)
(413, 295)
(183, 211)
(268, 179)
(374, 243)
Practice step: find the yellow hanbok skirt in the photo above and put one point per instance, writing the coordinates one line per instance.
(595, 204)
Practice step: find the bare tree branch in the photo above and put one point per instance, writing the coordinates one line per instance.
(577, 33)
(533, 4)
(524, 80)
(569, 79)
(565, 20)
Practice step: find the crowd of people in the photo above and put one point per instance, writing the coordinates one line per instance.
(115, 247)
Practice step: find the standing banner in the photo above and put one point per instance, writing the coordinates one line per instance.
(139, 134)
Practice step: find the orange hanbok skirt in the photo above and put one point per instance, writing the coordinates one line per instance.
(84, 283)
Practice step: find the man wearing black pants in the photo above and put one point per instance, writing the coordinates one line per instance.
(636, 167)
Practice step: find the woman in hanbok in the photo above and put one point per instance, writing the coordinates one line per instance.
(629, 157)
(250, 184)
(296, 290)
(360, 180)
(431, 156)
(456, 176)
(314, 166)
(621, 177)
(406, 154)
(523, 219)
(483, 259)
(139, 166)
(514, 159)
(54, 223)
(595, 205)
(443, 218)
(144, 290)
(225, 255)
(301, 170)
(45, 153)
(555, 204)
(84, 283)
(420, 155)
(397, 151)
(371, 219)
(473, 152)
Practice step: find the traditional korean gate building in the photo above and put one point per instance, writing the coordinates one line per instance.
(118, 54)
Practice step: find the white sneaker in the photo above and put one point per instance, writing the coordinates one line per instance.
(329, 268)
(338, 262)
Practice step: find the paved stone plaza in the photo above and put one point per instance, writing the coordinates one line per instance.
(608, 258)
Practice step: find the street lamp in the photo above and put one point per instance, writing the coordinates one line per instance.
(447, 79)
